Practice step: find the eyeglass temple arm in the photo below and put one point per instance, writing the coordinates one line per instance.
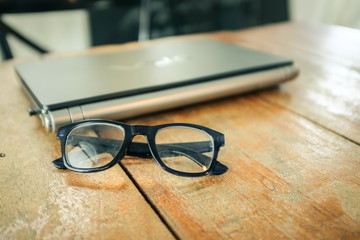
(142, 150)
(59, 163)
(138, 149)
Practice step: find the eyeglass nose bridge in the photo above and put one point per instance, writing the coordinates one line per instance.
(139, 149)
(139, 130)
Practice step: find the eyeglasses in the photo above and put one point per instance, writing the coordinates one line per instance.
(182, 149)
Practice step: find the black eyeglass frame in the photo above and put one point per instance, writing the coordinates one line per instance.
(130, 131)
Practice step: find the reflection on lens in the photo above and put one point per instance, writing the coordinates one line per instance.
(185, 149)
(93, 145)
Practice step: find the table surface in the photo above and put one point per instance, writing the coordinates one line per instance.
(293, 155)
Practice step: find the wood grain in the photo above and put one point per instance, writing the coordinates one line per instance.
(327, 90)
(37, 201)
(288, 177)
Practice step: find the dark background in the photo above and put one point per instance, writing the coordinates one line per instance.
(117, 21)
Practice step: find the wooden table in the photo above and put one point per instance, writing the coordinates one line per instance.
(293, 155)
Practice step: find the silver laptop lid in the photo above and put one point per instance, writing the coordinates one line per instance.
(65, 82)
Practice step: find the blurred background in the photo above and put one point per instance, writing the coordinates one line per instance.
(29, 27)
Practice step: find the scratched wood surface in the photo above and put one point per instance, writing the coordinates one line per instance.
(327, 91)
(293, 156)
(37, 201)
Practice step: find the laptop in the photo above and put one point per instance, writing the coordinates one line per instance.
(157, 76)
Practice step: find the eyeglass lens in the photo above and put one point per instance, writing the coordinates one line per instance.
(185, 149)
(93, 145)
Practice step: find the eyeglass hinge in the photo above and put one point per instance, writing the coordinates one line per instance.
(33, 112)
